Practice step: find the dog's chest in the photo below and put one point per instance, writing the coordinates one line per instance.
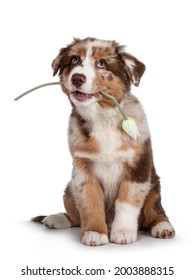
(110, 153)
(109, 162)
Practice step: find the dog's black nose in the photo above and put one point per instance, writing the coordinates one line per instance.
(78, 80)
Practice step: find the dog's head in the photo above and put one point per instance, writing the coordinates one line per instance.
(89, 66)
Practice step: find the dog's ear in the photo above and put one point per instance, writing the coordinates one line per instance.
(135, 67)
(62, 59)
(58, 61)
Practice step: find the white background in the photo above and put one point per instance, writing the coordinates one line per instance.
(34, 156)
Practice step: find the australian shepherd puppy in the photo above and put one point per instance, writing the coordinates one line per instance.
(114, 190)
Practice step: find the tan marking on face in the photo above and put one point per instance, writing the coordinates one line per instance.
(106, 52)
(113, 87)
(106, 75)
(98, 54)
(109, 77)
(79, 49)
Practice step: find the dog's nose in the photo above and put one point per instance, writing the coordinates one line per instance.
(78, 80)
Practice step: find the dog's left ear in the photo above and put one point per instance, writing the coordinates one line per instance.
(136, 67)
(58, 61)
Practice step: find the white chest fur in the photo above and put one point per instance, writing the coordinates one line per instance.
(108, 164)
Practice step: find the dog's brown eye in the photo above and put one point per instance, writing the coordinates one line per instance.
(75, 59)
(101, 64)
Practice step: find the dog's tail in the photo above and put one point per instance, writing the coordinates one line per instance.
(38, 219)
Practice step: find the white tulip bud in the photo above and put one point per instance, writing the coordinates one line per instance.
(130, 127)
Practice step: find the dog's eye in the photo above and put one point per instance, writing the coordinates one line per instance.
(75, 59)
(101, 64)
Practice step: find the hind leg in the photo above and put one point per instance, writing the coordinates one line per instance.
(153, 217)
(64, 220)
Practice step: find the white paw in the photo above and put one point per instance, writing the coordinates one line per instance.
(93, 238)
(123, 236)
(57, 221)
(163, 230)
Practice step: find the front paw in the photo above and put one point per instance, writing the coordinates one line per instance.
(93, 238)
(123, 236)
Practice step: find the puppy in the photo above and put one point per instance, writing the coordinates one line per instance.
(114, 190)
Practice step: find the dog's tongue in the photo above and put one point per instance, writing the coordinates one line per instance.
(80, 96)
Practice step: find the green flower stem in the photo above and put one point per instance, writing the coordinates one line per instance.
(125, 117)
(32, 89)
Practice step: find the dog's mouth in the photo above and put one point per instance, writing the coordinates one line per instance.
(81, 96)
